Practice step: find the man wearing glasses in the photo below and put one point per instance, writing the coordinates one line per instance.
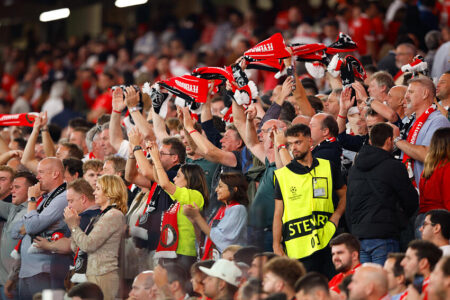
(436, 229)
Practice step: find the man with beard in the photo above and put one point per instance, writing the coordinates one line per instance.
(304, 211)
(345, 255)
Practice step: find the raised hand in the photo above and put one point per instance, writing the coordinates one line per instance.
(286, 89)
(360, 91)
(251, 112)
(345, 103)
(278, 137)
(118, 104)
(134, 137)
(188, 122)
(154, 150)
(131, 96)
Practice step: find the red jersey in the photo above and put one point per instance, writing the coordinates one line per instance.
(435, 191)
(362, 31)
(336, 280)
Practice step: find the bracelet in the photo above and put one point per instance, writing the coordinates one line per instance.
(369, 101)
(192, 131)
(342, 117)
(282, 146)
(116, 111)
(133, 109)
(44, 129)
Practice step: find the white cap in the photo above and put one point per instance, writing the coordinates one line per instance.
(225, 270)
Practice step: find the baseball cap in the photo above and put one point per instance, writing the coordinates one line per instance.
(225, 270)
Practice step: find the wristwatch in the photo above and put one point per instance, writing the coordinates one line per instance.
(74, 229)
(397, 139)
(369, 101)
(32, 199)
(136, 148)
(133, 109)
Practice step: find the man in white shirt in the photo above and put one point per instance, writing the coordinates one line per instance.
(436, 229)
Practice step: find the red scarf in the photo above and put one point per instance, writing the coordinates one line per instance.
(194, 87)
(412, 139)
(18, 119)
(273, 47)
(168, 241)
(209, 246)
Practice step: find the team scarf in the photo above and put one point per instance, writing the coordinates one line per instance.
(412, 139)
(188, 87)
(150, 205)
(168, 241)
(210, 249)
(273, 47)
(18, 119)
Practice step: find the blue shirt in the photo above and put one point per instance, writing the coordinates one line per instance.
(51, 219)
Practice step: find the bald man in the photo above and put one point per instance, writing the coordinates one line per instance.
(142, 288)
(42, 270)
(396, 100)
(369, 282)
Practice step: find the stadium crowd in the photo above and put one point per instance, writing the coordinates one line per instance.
(127, 184)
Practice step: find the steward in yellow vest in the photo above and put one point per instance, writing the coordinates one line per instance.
(305, 218)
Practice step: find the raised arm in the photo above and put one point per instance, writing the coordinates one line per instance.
(131, 172)
(3, 146)
(280, 145)
(115, 130)
(162, 179)
(381, 108)
(28, 158)
(135, 138)
(132, 100)
(212, 153)
(47, 142)
(345, 103)
(251, 137)
(159, 126)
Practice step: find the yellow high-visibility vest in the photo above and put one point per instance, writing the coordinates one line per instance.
(308, 205)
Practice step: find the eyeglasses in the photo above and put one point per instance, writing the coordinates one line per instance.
(428, 223)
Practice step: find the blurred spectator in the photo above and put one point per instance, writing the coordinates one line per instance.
(395, 275)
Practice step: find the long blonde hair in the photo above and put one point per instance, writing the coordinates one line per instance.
(438, 152)
(115, 190)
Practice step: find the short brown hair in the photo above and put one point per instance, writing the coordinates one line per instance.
(176, 147)
(383, 78)
(119, 163)
(349, 240)
(8, 169)
(92, 164)
(74, 150)
(83, 187)
(288, 269)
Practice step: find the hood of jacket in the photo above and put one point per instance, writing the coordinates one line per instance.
(369, 157)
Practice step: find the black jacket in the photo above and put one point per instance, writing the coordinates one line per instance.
(379, 193)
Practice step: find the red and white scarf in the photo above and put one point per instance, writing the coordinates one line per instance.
(18, 119)
(412, 139)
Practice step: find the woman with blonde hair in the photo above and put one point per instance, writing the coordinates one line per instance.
(102, 237)
(434, 189)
